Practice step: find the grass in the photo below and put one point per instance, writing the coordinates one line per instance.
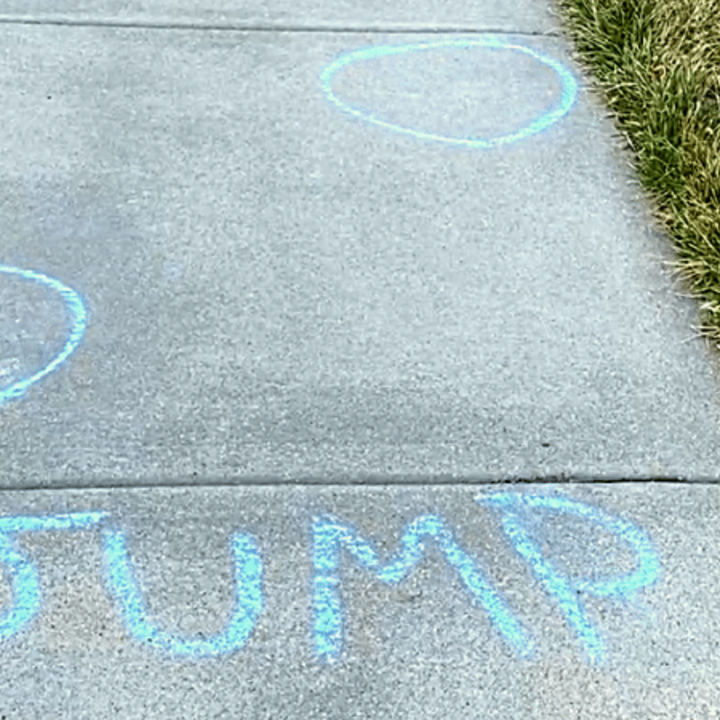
(656, 64)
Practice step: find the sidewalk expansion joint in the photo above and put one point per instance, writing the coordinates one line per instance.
(271, 28)
(351, 484)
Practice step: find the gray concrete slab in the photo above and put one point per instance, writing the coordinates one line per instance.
(637, 563)
(277, 289)
(529, 16)
(244, 257)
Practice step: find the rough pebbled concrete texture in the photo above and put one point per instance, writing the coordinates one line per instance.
(417, 649)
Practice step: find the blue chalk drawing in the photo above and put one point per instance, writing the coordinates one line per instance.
(79, 319)
(120, 580)
(330, 535)
(514, 508)
(568, 95)
(24, 581)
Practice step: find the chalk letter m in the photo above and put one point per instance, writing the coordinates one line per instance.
(330, 535)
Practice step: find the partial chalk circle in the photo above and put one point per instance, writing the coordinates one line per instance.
(14, 380)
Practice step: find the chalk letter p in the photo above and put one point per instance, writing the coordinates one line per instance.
(514, 508)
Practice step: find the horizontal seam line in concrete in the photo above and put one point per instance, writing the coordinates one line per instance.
(269, 28)
(378, 483)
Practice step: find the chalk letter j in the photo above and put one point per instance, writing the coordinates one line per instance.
(24, 580)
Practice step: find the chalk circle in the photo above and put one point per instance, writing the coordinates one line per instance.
(568, 95)
(76, 309)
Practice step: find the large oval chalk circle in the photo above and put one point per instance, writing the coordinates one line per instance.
(567, 96)
(76, 309)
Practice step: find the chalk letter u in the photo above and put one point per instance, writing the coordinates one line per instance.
(121, 582)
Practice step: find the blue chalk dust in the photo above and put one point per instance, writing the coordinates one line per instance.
(78, 314)
(25, 585)
(330, 536)
(121, 582)
(568, 94)
(566, 591)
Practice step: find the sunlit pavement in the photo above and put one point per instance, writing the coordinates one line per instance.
(285, 292)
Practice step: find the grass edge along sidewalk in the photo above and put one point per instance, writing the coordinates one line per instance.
(656, 64)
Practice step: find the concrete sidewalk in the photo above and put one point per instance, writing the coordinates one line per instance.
(292, 285)
(141, 617)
